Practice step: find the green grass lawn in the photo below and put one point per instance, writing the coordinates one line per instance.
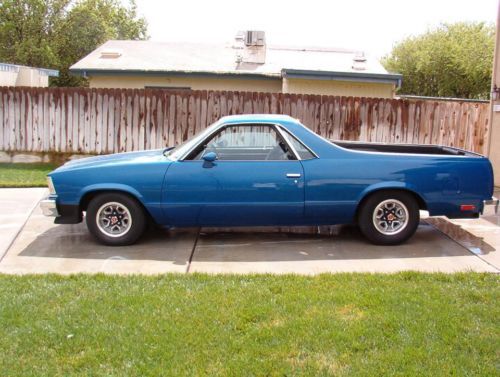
(406, 324)
(24, 175)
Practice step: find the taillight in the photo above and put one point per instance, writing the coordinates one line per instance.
(467, 207)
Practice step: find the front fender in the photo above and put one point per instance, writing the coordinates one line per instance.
(110, 187)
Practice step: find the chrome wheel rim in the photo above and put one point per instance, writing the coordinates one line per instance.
(390, 217)
(113, 219)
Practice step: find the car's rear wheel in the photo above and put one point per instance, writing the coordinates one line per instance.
(389, 217)
(115, 219)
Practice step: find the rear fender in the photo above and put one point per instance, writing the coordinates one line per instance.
(392, 185)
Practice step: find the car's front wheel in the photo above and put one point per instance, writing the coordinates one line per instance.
(389, 217)
(115, 219)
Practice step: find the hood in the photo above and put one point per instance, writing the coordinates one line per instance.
(140, 157)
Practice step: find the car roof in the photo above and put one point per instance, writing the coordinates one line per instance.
(275, 118)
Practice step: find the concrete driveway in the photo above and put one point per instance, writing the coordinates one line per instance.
(16, 206)
(439, 245)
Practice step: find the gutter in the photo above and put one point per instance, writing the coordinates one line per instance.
(138, 72)
(386, 78)
(6, 67)
(48, 72)
(447, 99)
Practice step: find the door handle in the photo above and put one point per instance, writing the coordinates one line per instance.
(293, 175)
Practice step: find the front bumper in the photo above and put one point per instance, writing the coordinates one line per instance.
(63, 213)
(490, 207)
(49, 207)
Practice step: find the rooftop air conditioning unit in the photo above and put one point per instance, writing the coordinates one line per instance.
(253, 49)
(255, 38)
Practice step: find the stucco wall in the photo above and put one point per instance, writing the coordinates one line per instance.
(299, 86)
(338, 88)
(31, 77)
(8, 78)
(24, 76)
(195, 83)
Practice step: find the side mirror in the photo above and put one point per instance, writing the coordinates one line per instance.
(210, 156)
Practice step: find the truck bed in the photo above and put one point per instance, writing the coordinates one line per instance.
(404, 148)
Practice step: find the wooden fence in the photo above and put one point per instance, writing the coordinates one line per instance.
(81, 120)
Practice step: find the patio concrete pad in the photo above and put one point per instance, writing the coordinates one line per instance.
(16, 204)
(44, 247)
(242, 252)
(480, 236)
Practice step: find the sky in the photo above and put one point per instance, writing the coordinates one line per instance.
(370, 26)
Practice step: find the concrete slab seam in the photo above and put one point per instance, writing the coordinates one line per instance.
(193, 250)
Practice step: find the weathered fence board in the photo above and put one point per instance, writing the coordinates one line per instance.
(80, 120)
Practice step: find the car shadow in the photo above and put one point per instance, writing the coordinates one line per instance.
(336, 243)
(243, 244)
(74, 241)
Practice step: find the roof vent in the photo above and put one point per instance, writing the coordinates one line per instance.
(359, 61)
(110, 54)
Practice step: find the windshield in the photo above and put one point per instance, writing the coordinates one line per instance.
(181, 149)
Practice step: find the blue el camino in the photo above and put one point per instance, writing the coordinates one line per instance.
(270, 170)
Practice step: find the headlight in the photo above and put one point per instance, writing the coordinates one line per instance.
(52, 189)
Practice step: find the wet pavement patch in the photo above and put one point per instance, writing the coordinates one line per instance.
(474, 244)
(341, 249)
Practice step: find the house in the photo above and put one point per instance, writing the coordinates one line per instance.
(20, 75)
(248, 64)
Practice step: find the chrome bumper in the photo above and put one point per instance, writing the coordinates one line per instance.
(49, 207)
(490, 207)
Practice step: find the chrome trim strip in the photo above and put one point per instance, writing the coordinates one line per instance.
(300, 141)
(293, 175)
(274, 125)
(283, 136)
(181, 158)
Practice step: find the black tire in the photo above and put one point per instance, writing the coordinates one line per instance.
(125, 208)
(372, 226)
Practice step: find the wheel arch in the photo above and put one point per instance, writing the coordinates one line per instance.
(89, 194)
(422, 205)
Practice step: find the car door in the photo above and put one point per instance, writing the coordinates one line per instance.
(256, 180)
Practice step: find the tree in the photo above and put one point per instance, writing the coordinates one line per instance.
(58, 33)
(452, 60)
(26, 30)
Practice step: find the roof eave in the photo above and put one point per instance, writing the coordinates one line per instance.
(127, 72)
(41, 71)
(385, 78)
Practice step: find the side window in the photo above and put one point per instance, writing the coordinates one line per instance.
(246, 142)
(303, 152)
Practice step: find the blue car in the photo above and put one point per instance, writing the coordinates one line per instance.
(270, 170)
